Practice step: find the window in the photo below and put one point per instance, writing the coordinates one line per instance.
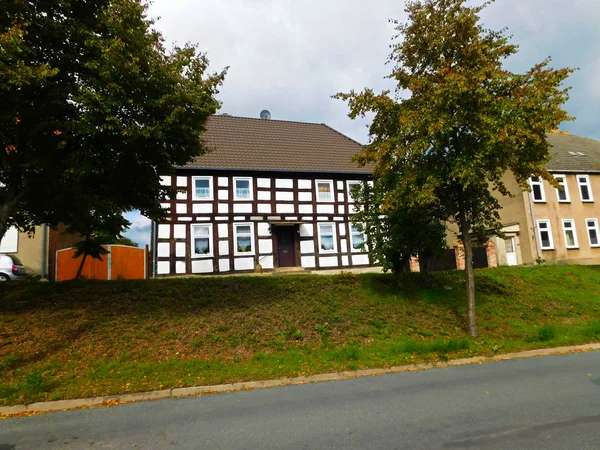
(242, 188)
(585, 190)
(537, 189)
(202, 241)
(324, 190)
(545, 235)
(327, 238)
(570, 233)
(350, 184)
(593, 233)
(357, 238)
(243, 238)
(202, 188)
(563, 193)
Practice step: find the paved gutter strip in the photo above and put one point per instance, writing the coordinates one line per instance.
(59, 405)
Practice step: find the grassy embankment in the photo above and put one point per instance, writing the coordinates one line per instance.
(89, 338)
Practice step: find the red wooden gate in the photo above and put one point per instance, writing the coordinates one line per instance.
(122, 262)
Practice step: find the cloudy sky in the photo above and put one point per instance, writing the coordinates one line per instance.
(290, 56)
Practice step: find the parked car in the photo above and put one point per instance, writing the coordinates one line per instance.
(11, 268)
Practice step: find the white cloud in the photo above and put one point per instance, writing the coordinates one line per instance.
(290, 57)
(139, 230)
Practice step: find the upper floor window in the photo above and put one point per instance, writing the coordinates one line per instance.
(563, 192)
(350, 185)
(585, 189)
(357, 238)
(327, 238)
(243, 238)
(593, 233)
(242, 188)
(570, 233)
(545, 235)
(202, 188)
(537, 189)
(324, 190)
(201, 240)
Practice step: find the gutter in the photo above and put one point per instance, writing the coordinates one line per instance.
(234, 169)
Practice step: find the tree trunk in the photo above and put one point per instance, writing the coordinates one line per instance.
(81, 266)
(465, 228)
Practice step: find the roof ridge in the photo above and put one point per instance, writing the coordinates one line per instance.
(266, 120)
(342, 134)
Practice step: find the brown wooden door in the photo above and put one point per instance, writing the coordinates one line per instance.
(286, 250)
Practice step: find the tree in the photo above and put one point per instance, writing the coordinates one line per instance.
(460, 119)
(93, 103)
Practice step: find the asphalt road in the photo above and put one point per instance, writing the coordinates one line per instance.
(540, 403)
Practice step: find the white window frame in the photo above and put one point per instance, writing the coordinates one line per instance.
(540, 182)
(589, 186)
(357, 250)
(250, 187)
(333, 230)
(210, 197)
(549, 230)
(349, 185)
(570, 228)
(210, 240)
(595, 227)
(330, 182)
(565, 186)
(252, 251)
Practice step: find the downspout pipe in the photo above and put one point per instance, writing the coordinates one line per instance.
(44, 271)
(535, 227)
(153, 239)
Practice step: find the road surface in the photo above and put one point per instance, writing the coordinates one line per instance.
(540, 403)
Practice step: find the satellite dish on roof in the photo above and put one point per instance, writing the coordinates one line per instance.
(265, 115)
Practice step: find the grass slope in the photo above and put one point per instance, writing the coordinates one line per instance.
(88, 338)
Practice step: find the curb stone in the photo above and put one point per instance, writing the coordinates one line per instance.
(251, 385)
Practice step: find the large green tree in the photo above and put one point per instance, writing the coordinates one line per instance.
(93, 103)
(460, 120)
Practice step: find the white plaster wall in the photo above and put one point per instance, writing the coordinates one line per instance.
(284, 183)
(307, 246)
(307, 261)
(223, 248)
(263, 229)
(304, 184)
(223, 230)
(179, 266)
(223, 208)
(242, 207)
(243, 263)
(324, 209)
(179, 231)
(267, 262)
(202, 265)
(163, 250)
(223, 194)
(328, 261)
(265, 246)
(162, 267)
(181, 208)
(182, 181)
(286, 196)
(305, 209)
(306, 229)
(180, 249)
(264, 208)
(165, 180)
(164, 231)
(264, 195)
(181, 195)
(263, 182)
(224, 265)
(360, 260)
(223, 182)
(285, 208)
(202, 208)
(342, 229)
(343, 245)
(305, 196)
(345, 261)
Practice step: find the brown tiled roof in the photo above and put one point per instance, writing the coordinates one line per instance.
(565, 150)
(256, 144)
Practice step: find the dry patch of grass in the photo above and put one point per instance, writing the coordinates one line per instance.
(87, 338)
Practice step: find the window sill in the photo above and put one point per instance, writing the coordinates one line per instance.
(202, 199)
(244, 254)
(243, 199)
(539, 201)
(572, 248)
(548, 249)
(587, 201)
(201, 256)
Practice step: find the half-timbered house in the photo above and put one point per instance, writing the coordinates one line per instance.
(269, 192)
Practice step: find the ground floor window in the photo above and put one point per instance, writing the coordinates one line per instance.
(327, 238)
(357, 238)
(545, 235)
(202, 240)
(570, 233)
(243, 235)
